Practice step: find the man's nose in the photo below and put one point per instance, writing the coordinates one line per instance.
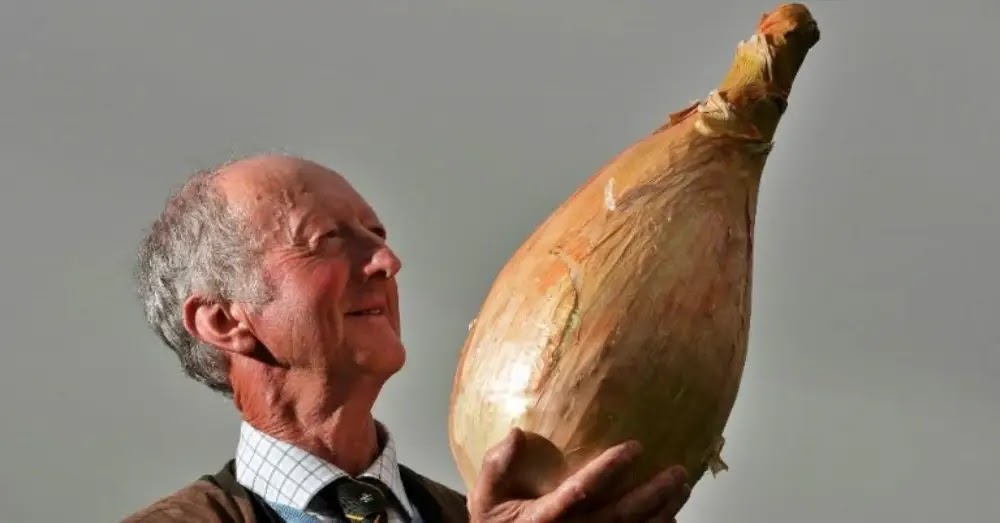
(382, 260)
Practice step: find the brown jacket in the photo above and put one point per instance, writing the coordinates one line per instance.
(220, 499)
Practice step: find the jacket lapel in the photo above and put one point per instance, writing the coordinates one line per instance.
(433, 505)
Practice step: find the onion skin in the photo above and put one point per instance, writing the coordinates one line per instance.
(625, 314)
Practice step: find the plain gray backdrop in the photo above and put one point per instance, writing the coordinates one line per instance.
(869, 393)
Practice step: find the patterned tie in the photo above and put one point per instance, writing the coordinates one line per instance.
(358, 500)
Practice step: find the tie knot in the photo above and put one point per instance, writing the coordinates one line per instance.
(362, 500)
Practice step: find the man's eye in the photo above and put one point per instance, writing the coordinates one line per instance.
(379, 231)
(331, 234)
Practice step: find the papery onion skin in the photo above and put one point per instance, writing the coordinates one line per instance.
(625, 314)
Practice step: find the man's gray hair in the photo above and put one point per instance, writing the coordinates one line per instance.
(198, 244)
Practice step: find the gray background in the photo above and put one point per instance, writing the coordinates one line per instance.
(869, 393)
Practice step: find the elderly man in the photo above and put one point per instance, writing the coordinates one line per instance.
(271, 279)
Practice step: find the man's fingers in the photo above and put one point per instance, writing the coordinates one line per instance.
(599, 474)
(666, 492)
(586, 483)
(495, 464)
(673, 507)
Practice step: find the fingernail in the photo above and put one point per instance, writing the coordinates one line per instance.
(633, 449)
(679, 473)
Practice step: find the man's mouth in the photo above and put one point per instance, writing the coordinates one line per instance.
(371, 311)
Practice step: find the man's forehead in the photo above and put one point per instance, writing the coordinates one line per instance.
(282, 184)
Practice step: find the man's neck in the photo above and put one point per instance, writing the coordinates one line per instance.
(332, 423)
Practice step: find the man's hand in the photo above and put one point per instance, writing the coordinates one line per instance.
(579, 497)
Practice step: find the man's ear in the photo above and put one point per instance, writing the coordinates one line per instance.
(218, 324)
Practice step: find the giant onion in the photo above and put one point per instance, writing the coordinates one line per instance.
(625, 314)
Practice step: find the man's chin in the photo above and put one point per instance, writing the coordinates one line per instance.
(392, 356)
(383, 356)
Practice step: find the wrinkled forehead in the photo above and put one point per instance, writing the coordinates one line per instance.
(284, 196)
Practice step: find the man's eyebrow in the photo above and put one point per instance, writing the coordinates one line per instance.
(298, 226)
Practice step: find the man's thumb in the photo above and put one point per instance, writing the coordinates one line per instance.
(496, 463)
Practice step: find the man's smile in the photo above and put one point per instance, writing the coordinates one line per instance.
(368, 307)
(375, 311)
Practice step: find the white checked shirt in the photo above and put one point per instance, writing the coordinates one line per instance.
(284, 474)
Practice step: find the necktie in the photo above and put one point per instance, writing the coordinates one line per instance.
(359, 500)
